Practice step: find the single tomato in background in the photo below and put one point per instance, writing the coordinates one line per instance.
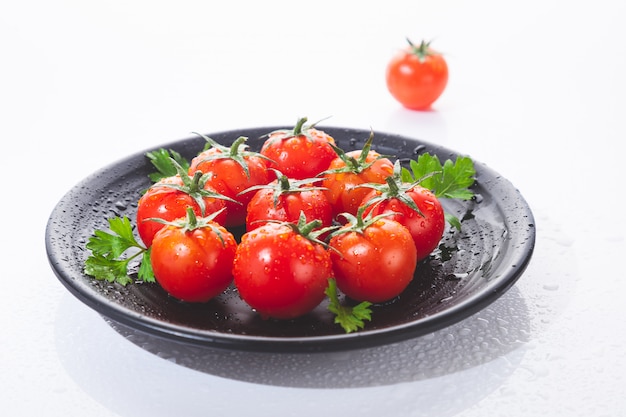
(417, 76)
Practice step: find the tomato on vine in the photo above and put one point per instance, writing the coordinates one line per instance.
(231, 170)
(301, 152)
(417, 76)
(192, 258)
(348, 171)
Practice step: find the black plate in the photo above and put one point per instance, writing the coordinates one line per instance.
(470, 270)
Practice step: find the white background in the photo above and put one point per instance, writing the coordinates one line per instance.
(537, 92)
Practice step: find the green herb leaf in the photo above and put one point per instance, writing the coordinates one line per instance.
(105, 269)
(453, 221)
(450, 180)
(162, 161)
(108, 262)
(145, 268)
(349, 318)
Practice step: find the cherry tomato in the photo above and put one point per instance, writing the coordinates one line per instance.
(373, 259)
(286, 200)
(299, 153)
(417, 76)
(348, 171)
(415, 207)
(280, 272)
(169, 198)
(192, 259)
(230, 171)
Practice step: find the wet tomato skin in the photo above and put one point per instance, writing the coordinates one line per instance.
(302, 153)
(169, 204)
(426, 228)
(374, 265)
(229, 178)
(288, 207)
(193, 266)
(417, 76)
(343, 189)
(280, 273)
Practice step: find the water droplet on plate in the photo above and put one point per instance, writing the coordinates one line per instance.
(551, 287)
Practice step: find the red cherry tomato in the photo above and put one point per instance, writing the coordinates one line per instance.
(280, 272)
(230, 171)
(373, 260)
(169, 198)
(426, 225)
(193, 261)
(299, 153)
(286, 200)
(348, 171)
(417, 76)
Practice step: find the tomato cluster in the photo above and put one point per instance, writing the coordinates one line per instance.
(309, 212)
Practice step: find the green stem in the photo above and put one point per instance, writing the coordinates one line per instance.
(306, 229)
(393, 186)
(194, 186)
(192, 220)
(297, 130)
(420, 51)
(284, 183)
(234, 148)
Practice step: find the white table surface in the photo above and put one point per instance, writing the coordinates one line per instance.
(537, 92)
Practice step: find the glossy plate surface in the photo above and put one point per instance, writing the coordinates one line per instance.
(470, 270)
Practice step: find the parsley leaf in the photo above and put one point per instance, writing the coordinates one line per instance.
(453, 221)
(107, 261)
(162, 161)
(450, 180)
(349, 318)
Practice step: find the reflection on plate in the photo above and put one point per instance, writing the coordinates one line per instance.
(470, 270)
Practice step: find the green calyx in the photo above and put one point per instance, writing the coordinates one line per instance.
(194, 187)
(300, 129)
(352, 164)
(358, 223)
(285, 185)
(396, 188)
(309, 230)
(191, 222)
(238, 152)
(422, 51)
